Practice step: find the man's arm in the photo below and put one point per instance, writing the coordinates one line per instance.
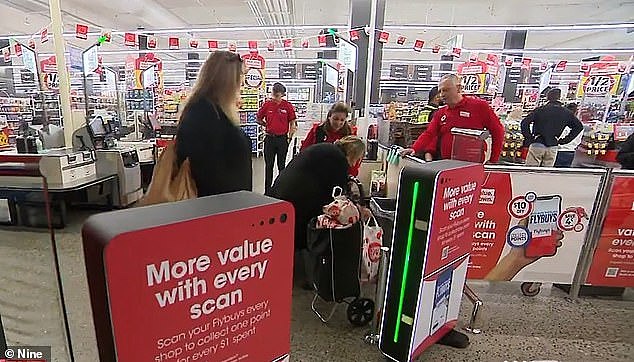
(526, 130)
(431, 133)
(292, 123)
(261, 114)
(575, 128)
(495, 127)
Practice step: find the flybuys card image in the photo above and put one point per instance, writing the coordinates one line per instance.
(441, 300)
(543, 219)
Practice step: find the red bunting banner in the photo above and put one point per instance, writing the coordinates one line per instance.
(253, 46)
(384, 37)
(17, 49)
(288, 44)
(152, 42)
(401, 40)
(31, 44)
(305, 43)
(212, 45)
(473, 56)
(233, 46)
(526, 63)
(543, 66)
(456, 52)
(107, 35)
(81, 31)
(271, 46)
(435, 49)
(129, 39)
(354, 35)
(6, 53)
(174, 43)
(44, 35)
(321, 39)
(193, 43)
(418, 45)
(561, 66)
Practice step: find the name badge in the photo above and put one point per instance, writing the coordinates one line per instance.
(465, 114)
(283, 110)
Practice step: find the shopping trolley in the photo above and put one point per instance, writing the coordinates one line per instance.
(337, 257)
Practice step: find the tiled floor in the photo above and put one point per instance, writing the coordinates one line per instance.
(515, 328)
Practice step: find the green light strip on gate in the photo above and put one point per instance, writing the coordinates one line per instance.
(410, 236)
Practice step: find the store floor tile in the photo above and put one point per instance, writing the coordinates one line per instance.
(515, 328)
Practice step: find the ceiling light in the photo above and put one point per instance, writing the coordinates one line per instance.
(570, 27)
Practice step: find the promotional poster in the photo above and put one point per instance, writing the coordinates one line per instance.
(531, 226)
(613, 261)
(200, 290)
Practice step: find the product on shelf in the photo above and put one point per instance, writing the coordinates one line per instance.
(16, 111)
(513, 142)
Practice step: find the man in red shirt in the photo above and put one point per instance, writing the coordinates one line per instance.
(278, 115)
(462, 112)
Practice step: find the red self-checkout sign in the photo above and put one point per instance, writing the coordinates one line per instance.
(519, 207)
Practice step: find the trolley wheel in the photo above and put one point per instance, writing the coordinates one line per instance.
(360, 311)
(530, 289)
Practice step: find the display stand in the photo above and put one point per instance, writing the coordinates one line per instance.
(435, 212)
(199, 273)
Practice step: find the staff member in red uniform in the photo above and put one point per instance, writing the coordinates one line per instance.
(334, 128)
(278, 115)
(462, 112)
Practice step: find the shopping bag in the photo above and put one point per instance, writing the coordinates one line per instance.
(372, 241)
(169, 181)
(341, 209)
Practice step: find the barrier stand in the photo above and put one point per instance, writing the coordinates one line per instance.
(29, 166)
(592, 237)
(477, 303)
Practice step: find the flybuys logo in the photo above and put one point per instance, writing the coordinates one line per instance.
(26, 354)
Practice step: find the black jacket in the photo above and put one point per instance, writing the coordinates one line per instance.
(307, 183)
(549, 122)
(219, 152)
(626, 153)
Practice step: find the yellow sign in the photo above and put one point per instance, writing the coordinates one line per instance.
(473, 83)
(4, 139)
(598, 85)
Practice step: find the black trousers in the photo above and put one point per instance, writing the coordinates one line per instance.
(274, 146)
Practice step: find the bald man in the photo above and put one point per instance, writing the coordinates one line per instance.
(462, 112)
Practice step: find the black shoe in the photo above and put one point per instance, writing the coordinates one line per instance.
(455, 339)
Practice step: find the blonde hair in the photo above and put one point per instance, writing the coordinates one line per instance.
(352, 146)
(219, 83)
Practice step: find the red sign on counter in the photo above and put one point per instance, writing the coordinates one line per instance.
(613, 261)
(198, 288)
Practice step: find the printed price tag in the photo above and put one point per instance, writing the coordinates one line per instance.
(520, 208)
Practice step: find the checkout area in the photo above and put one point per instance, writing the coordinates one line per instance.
(97, 172)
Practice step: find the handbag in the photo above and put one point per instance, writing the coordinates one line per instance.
(372, 241)
(170, 182)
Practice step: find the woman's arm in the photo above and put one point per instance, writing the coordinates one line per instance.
(311, 138)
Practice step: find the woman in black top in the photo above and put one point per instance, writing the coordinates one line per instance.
(308, 180)
(218, 150)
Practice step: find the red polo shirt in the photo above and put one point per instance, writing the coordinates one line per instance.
(277, 116)
(471, 113)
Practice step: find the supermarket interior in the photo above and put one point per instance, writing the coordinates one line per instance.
(488, 217)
